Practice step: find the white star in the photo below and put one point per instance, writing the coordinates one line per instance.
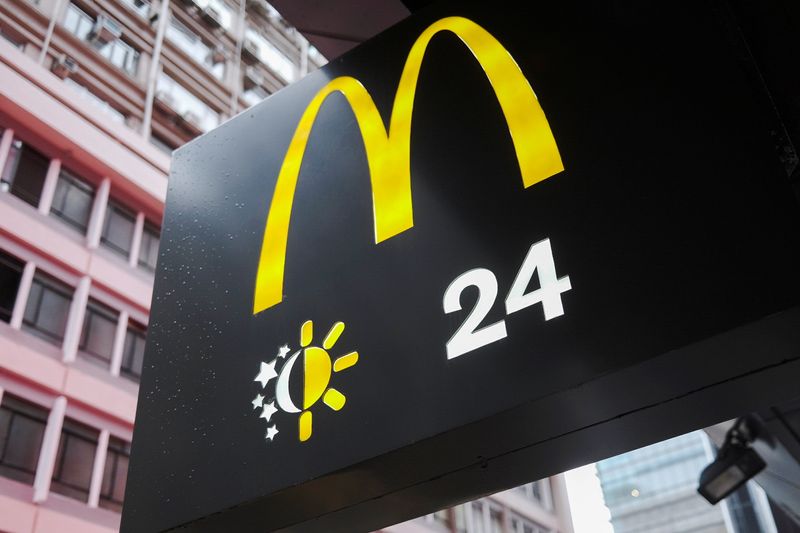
(258, 402)
(283, 351)
(271, 432)
(269, 410)
(266, 373)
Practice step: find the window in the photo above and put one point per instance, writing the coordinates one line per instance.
(316, 56)
(21, 432)
(24, 172)
(269, 54)
(97, 102)
(99, 328)
(148, 251)
(10, 276)
(13, 39)
(521, 525)
(225, 14)
(142, 7)
(539, 491)
(72, 474)
(161, 143)
(478, 524)
(72, 201)
(115, 474)
(133, 352)
(185, 103)
(48, 308)
(254, 95)
(460, 518)
(496, 521)
(117, 51)
(442, 517)
(193, 45)
(118, 229)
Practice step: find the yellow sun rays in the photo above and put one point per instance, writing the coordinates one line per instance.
(317, 374)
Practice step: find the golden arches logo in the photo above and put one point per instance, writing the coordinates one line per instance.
(388, 150)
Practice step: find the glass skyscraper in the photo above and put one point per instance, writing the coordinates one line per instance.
(654, 490)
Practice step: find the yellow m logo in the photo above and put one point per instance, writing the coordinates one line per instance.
(388, 150)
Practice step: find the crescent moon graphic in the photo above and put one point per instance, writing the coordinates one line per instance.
(282, 387)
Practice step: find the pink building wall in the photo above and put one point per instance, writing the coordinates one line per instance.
(58, 122)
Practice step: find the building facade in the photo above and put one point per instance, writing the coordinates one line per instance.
(94, 96)
(654, 490)
(538, 507)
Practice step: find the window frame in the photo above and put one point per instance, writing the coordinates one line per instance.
(97, 308)
(58, 287)
(139, 331)
(155, 231)
(72, 429)
(131, 55)
(13, 264)
(65, 176)
(114, 206)
(117, 448)
(8, 174)
(32, 412)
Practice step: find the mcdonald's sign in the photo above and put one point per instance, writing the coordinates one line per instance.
(488, 245)
(388, 149)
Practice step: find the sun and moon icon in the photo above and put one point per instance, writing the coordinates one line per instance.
(302, 379)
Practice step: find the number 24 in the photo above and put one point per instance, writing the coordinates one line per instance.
(540, 260)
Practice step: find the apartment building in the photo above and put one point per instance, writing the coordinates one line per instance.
(94, 96)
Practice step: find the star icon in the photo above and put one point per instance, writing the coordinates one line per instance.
(269, 410)
(271, 432)
(258, 402)
(266, 373)
(284, 350)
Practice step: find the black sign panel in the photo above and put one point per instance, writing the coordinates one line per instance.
(489, 244)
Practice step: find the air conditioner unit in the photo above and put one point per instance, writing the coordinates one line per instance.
(191, 118)
(166, 99)
(104, 31)
(133, 122)
(259, 6)
(251, 53)
(64, 66)
(152, 15)
(211, 16)
(217, 55)
(252, 78)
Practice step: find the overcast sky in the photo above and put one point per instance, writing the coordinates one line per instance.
(589, 513)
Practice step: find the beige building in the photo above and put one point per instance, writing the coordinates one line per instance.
(94, 95)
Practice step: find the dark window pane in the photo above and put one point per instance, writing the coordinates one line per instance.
(10, 275)
(72, 201)
(115, 474)
(21, 432)
(133, 354)
(118, 229)
(72, 474)
(48, 308)
(99, 327)
(24, 172)
(148, 252)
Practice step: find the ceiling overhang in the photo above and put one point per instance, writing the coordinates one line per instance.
(334, 27)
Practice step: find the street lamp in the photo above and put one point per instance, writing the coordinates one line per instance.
(736, 463)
